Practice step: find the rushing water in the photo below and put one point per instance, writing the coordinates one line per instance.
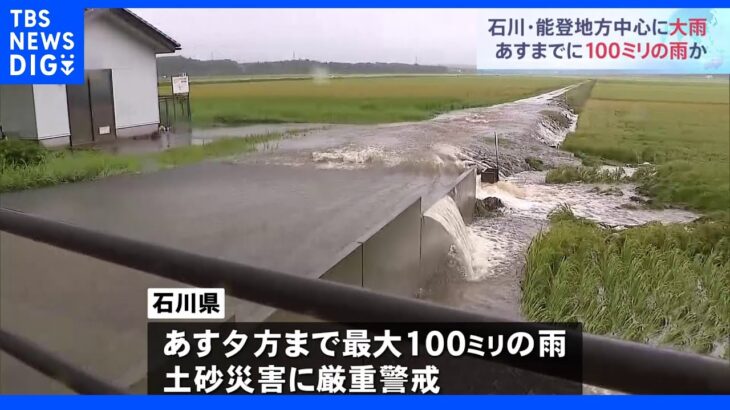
(489, 254)
(495, 248)
(486, 259)
(461, 253)
(448, 143)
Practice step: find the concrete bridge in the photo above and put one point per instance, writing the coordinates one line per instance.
(363, 227)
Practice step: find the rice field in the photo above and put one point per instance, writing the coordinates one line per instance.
(682, 127)
(660, 284)
(357, 100)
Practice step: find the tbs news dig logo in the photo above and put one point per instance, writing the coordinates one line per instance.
(43, 47)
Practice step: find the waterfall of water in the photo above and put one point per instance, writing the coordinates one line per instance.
(446, 213)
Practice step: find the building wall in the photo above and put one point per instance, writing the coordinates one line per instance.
(112, 45)
(17, 111)
(51, 112)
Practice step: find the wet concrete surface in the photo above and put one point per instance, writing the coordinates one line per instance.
(291, 219)
(275, 217)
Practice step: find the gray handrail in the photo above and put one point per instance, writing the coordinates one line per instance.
(610, 363)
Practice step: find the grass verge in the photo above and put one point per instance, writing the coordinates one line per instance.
(535, 163)
(219, 148)
(593, 175)
(83, 165)
(578, 96)
(666, 285)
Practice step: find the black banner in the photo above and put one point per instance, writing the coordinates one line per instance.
(380, 358)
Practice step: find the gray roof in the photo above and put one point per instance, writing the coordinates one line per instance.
(143, 26)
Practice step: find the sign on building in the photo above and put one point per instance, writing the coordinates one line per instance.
(180, 84)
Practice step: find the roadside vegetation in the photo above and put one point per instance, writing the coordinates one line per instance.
(25, 165)
(659, 284)
(355, 99)
(578, 96)
(593, 175)
(664, 285)
(535, 164)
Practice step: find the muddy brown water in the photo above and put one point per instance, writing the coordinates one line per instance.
(499, 243)
(495, 247)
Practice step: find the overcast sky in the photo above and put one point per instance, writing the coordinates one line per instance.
(433, 36)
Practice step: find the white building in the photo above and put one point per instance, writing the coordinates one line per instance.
(119, 98)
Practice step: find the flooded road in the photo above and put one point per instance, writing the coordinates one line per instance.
(499, 243)
(448, 143)
(488, 254)
(293, 207)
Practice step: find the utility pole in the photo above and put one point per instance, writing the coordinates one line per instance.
(496, 150)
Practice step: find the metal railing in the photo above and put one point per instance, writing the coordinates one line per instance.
(175, 114)
(610, 363)
(53, 366)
